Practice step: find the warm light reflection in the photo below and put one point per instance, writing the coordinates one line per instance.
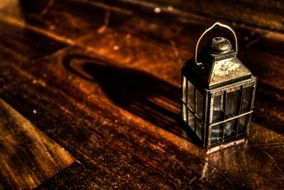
(10, 7)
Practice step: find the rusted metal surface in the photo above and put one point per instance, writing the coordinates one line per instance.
(105, 86)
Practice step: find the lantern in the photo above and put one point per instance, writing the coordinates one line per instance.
(217, 93)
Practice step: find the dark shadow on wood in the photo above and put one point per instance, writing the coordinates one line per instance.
(149, 97)
(138, 92)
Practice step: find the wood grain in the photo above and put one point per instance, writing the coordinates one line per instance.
(27, 156)
(265, 14)
(105, 85)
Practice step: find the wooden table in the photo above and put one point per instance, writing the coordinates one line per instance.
(89, 99)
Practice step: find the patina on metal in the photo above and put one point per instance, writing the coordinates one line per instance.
(217, 93)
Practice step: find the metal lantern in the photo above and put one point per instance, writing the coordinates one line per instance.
(217, 93)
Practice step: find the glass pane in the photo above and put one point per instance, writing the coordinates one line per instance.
(230, 129)
(191, 120)
(216, 133)
(199, 105)
(218, 108)
(247, 95)
(243, 124)
(232, 104)
(190, 95)
(199, 130)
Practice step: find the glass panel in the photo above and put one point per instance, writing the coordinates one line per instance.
(243, 124)
(199, 105)
(230, 129)
(184, 109)
(190, 95)
(199, 130)
(218, 108)
(184, 89)
(216, 133)
(247, 95)
(232, 104)
(191, 120)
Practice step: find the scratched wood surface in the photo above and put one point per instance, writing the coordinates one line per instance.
(267, 14)
(103, 80)
(28, 157)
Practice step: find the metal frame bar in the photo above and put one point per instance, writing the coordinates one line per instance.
(240, 109)
(252, 104)
(205, 118)
(225, 95)
(195, 109)
(193, 113)
(230, 119)
(210, 116)
(184, 98)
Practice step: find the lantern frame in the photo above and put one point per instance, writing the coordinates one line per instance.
(202, 95)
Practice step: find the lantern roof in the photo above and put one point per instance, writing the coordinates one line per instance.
(217, 65)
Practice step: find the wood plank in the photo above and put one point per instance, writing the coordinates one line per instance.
(123, 137)
(113, 149)
(112, 100)
(262, 14)
(21, 45)
(27, 156)
(81, 17)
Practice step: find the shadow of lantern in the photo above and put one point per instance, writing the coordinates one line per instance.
(138, 92)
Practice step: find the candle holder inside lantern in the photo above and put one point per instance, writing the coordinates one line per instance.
(217, 93)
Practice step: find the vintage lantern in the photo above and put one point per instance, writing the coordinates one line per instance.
(217, 93)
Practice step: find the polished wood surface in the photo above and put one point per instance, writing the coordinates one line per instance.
(104, 81)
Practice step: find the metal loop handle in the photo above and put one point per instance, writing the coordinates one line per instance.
(210, 28)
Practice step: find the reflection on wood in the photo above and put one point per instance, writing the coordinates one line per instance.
(27, 156)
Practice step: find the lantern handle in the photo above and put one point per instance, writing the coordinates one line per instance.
(210, 28)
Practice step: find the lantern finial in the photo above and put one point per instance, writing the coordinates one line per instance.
(210, 28)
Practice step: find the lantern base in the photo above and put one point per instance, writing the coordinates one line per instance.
(225, 145)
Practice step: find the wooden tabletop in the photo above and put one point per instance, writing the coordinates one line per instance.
(89, 99)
